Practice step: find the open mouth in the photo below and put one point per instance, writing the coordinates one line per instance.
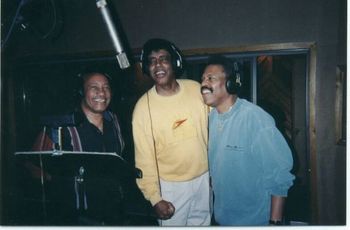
(99, 100)
(206, 90)
(160, 73)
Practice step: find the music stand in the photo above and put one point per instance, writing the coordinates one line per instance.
(80, 181)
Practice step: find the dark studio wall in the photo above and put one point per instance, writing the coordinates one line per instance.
(195, 24)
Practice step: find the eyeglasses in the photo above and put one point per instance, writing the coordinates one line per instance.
(161, 60)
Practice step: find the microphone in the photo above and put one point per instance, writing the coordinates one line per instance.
(121, 55)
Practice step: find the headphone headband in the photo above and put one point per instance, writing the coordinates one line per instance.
(82, 77)
(156, 44)
(232, 70)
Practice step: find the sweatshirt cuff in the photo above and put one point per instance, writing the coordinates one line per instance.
(280, 191)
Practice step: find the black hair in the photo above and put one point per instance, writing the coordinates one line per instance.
(232, 72)
(156, 44)
(225, 62)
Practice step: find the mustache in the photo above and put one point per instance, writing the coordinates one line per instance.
(205, 87)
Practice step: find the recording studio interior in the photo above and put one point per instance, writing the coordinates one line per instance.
(293, 55)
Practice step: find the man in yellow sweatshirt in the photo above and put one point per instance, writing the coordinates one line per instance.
(170, 135)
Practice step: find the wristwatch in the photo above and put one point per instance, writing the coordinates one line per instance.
(275, 222)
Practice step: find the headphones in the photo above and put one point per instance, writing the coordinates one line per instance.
(156, 44)
(233, 81)
(82, 77)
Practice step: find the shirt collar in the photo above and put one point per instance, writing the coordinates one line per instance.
(231, 110)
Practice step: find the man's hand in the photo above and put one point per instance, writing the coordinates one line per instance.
(164, 209)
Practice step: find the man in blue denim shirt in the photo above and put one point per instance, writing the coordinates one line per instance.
(249, 160)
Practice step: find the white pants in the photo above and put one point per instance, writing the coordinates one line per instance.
(191, 200)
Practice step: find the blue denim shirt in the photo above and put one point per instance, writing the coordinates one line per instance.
(249, 160)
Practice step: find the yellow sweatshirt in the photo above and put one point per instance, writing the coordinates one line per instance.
(178, 128)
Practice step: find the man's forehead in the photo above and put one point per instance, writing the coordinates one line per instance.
(214, 68)
(97, 79)
(160, 52)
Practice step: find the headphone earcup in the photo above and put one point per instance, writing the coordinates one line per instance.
(144, 63)
(81, 93)
(177, 61)
(144, 68)
(177, 67)
(231, 86)
(80, 86)
(233, 82)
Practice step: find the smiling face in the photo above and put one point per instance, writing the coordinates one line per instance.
(97, 94)
(160, 67)
(213, 88)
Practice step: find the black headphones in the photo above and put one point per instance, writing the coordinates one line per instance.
(156, 44)
(233, 81)
(82, 77)
(232, 72)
